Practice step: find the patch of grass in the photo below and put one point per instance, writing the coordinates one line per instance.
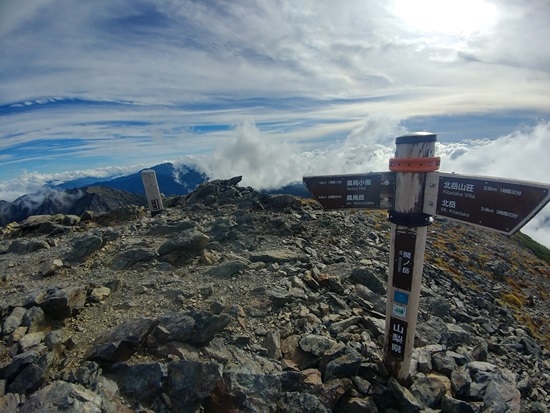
(516, 284)
(514, 300)
(309, 201)
(440, 262)
(539, 250)
(537, 328)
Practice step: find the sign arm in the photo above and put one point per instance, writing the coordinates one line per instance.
(502, 205)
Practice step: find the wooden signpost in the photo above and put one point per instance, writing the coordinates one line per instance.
(413, 192)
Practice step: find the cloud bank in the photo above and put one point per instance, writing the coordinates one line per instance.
(265, 163)
(33, 182)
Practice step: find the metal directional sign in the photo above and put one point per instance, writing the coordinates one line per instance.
(362, 191)
(498, 204)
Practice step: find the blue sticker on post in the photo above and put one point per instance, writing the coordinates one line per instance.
(401, 297)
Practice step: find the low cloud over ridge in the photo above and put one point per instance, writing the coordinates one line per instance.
(267, 164)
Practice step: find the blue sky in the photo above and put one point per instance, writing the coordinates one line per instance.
(273, 89)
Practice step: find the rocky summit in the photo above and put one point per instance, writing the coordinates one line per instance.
(236, 301)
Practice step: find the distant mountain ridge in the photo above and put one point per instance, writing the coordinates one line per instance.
(171, 180)
(89, 194)
(70, 202)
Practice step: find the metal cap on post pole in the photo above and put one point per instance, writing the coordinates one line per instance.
(414, 158)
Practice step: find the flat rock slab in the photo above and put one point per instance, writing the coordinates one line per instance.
(279, 255)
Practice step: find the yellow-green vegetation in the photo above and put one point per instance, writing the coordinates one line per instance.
(440, 262)
(444, 264)
(514, 300)
(309, 201)
(539, 329)
(516, 283)
(539, 250)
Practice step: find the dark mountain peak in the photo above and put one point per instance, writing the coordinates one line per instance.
(172, 180)
(52, 201)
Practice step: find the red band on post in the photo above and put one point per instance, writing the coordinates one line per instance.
(429, 164)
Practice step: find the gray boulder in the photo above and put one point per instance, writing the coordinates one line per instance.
(190, 383)
(243, 392)
(186, 245)
(369, 279)
(129, 258)
(60, 303)
(428, 391)
(63, 397)
(14, 320)
(119, 343)
(167, 228)
(32, 376)
(141, 382)
(227, 269)
(83, 247)
(27, 247)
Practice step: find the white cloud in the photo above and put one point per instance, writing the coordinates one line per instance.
(187, 51)
(522, 154)
(270, 161)
(264, 161)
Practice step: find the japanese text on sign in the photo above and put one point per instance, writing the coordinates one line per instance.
(404, 260)
(458, 186)
(358, 182)
(398, 337)
(501, 205)
(361, 191)
(155, 204)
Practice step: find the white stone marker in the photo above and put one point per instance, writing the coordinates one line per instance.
(152, 191)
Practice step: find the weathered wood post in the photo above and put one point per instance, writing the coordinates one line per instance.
(149, 179)
(414, 157)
